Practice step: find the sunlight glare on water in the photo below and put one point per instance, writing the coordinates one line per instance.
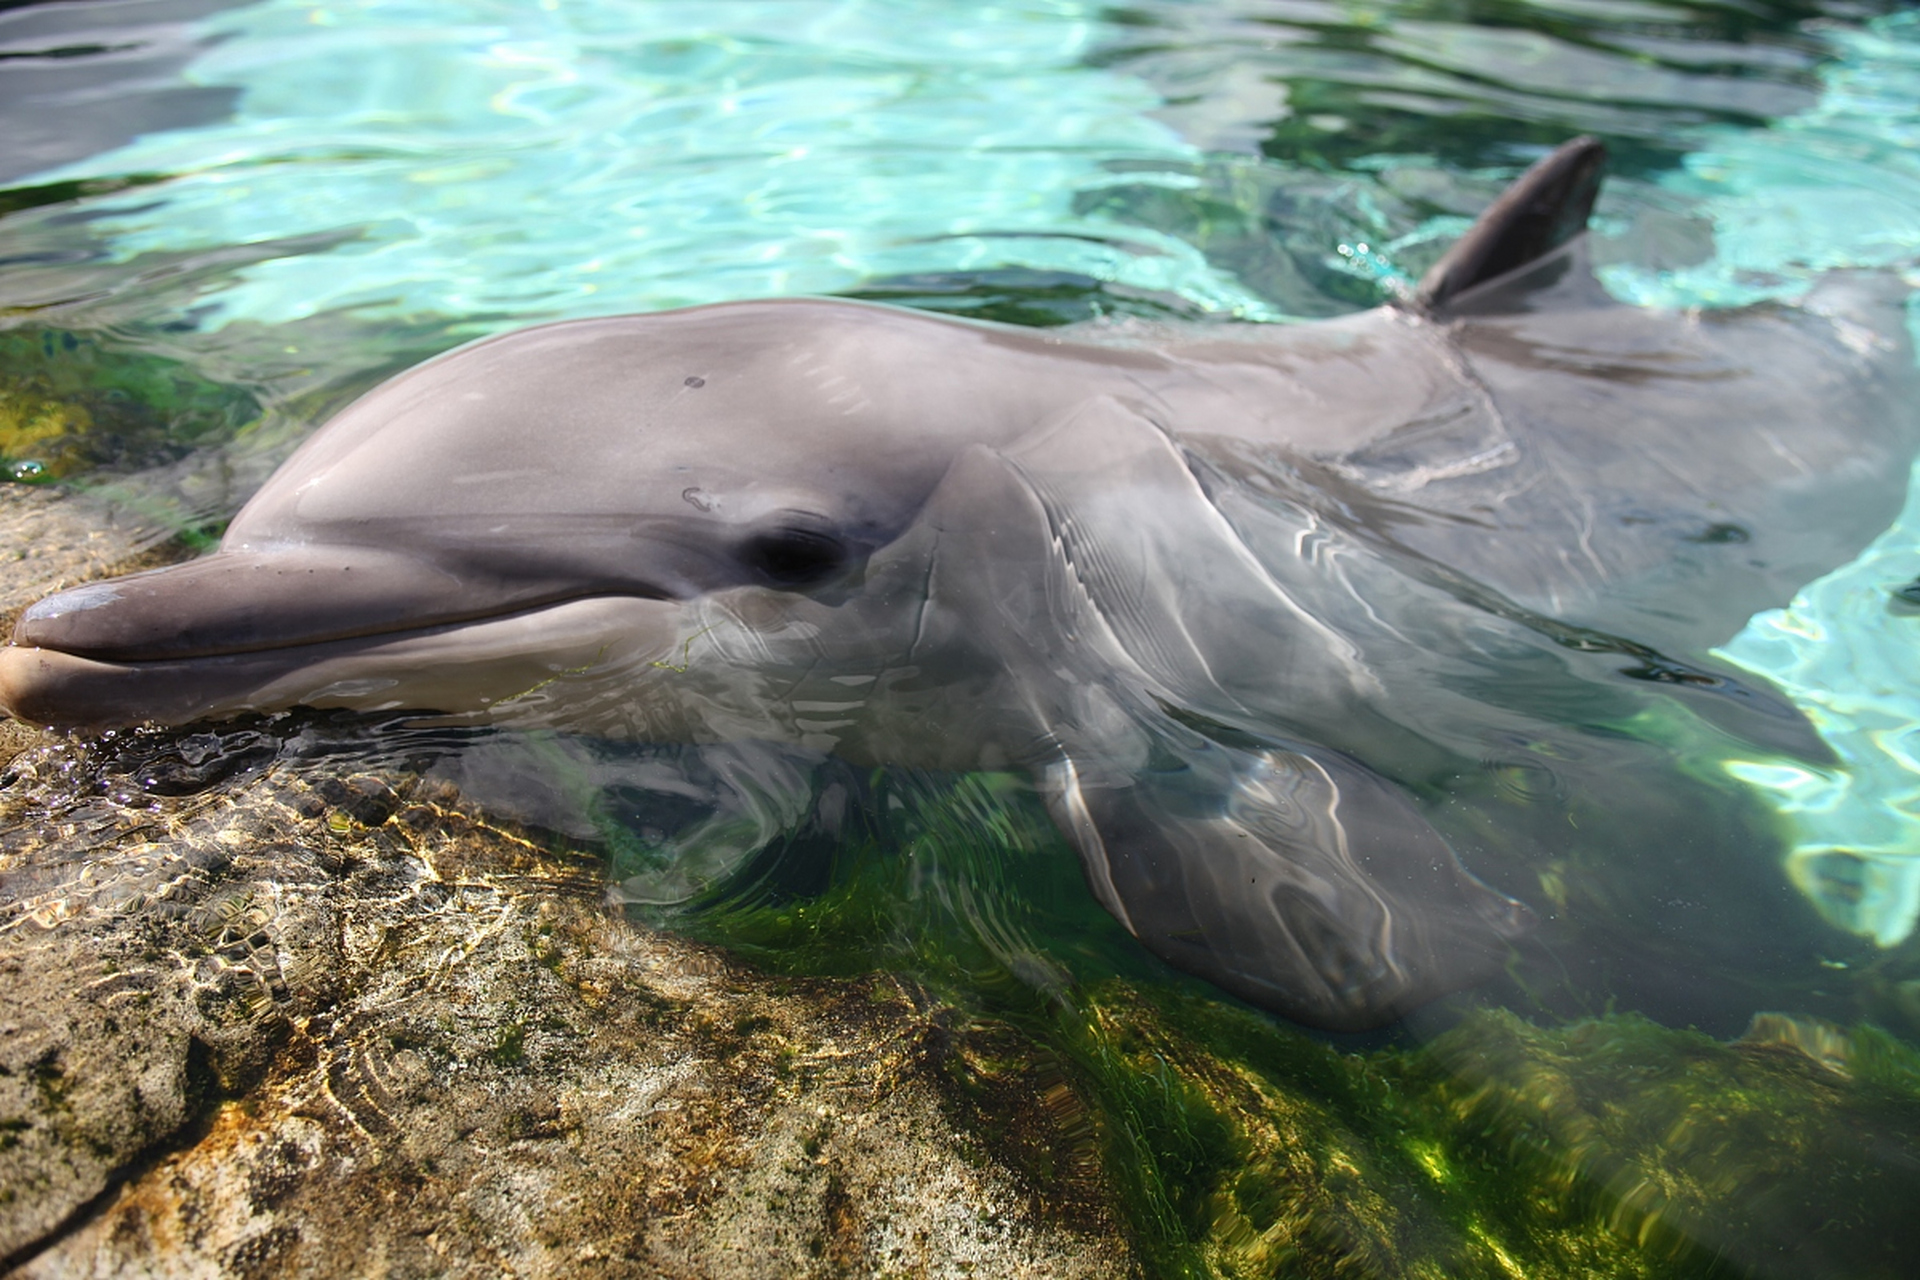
(1836, 187)
(1833, 187)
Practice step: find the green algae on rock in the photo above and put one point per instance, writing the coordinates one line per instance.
(71, 403)
(1608, 1147)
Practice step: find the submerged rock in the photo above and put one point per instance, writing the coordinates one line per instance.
(1608, 1147)
(283, 1004)
(280, 1012)
(307, 1026)
(1241, 1147)
(70, 403)
(52, 536)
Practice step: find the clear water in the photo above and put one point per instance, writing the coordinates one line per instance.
(360, 184)
(509, 162)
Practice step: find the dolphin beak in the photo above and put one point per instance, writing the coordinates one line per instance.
(244, 601)
(356, 627)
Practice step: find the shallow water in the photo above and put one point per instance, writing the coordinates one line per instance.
(349, 187)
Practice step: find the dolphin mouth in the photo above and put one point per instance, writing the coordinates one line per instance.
(253, 601)
(493, 664)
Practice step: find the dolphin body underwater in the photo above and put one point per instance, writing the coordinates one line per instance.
(1243, 600)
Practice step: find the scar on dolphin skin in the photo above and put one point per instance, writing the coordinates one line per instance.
(1086, 550)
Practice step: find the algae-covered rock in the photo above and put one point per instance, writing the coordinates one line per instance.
(287, 1004)
(71, 402)
(1792, 1152)
(75, 408)
(1241, 1147)
(1607, 1147)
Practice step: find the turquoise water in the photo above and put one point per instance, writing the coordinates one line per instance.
(511, 162)
(384, 180)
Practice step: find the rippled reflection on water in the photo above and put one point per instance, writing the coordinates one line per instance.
(339, 189)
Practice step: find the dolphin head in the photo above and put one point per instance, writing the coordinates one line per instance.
(580, 471)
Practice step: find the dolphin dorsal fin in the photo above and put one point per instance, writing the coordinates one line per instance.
(1543, 212)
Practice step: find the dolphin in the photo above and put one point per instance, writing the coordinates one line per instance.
(1241, 598)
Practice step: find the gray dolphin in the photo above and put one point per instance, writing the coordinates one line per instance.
(1192, 578)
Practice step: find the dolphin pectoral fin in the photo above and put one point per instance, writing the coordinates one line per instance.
(1305, 884)
(1526, 241)
(1089, 564)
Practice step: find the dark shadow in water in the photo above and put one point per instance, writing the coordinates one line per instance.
(79, 79)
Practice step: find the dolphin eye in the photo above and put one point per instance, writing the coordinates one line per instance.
(794, 557)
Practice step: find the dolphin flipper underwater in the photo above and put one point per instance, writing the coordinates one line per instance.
(1242, 599)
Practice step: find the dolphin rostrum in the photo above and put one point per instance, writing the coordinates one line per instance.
(1241, 598)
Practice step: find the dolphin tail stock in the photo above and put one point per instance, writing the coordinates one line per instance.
(1112, 591)
(1531, 239)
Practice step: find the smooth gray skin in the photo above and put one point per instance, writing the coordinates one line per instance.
(1189, 577)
